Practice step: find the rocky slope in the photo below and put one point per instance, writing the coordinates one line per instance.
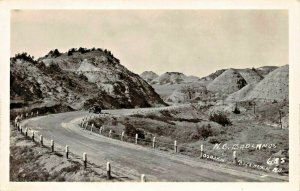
(228, 82)
(80, 79)
(240, 94)
(174, 78)
(170, 84)
(213, 76)
(275, 86)
(148, 76)
(265, 70)
(260, 72)
(251, 76)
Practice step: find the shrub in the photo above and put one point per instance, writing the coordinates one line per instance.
(236, 110)
(24, 56)
(54, 53)
(241, 83)
(83, 77)
(220, 118)
(213, 140)
(70, 52)
(83, 50)
(159, 131)
(204, 131)
(114, 122)
(130, 131)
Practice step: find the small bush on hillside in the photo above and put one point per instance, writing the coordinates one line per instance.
(82, 50)
(213, 140)
(241, 83)
(71, 51)
(220, 118)
(24, 56)
(130, 131)
(83, 77)
(53, 68)
(204, 131)
(236, 110)
(54, 53)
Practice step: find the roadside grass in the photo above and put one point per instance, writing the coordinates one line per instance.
(192, 133)
(23, 168)
(29, 162)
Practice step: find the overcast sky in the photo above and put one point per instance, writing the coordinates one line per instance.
(195, 42)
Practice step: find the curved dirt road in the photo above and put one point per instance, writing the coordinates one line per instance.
(131, 160)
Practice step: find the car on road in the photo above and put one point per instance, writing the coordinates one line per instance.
(95, 109)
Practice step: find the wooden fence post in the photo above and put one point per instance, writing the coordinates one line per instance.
(201, 151)
(84, 159)
(87, 123)
(18, 117)
(32, 136)
(16, 121)
(234, 158)
(122, 136)
(108, 169)
(67, 151)
(143, 178)
(110, 131)
(26, 132)
(175, 146)
(136, 138)
(153, 142)
(92, 127)
(52, 146)
(37, 113)
(41, 139)
(100, 130)
(280, 119)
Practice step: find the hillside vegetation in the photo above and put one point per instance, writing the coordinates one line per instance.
(78, 79)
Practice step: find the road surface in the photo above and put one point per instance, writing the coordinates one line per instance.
(132, 160)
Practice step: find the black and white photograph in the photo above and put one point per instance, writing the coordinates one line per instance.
(149, 95)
